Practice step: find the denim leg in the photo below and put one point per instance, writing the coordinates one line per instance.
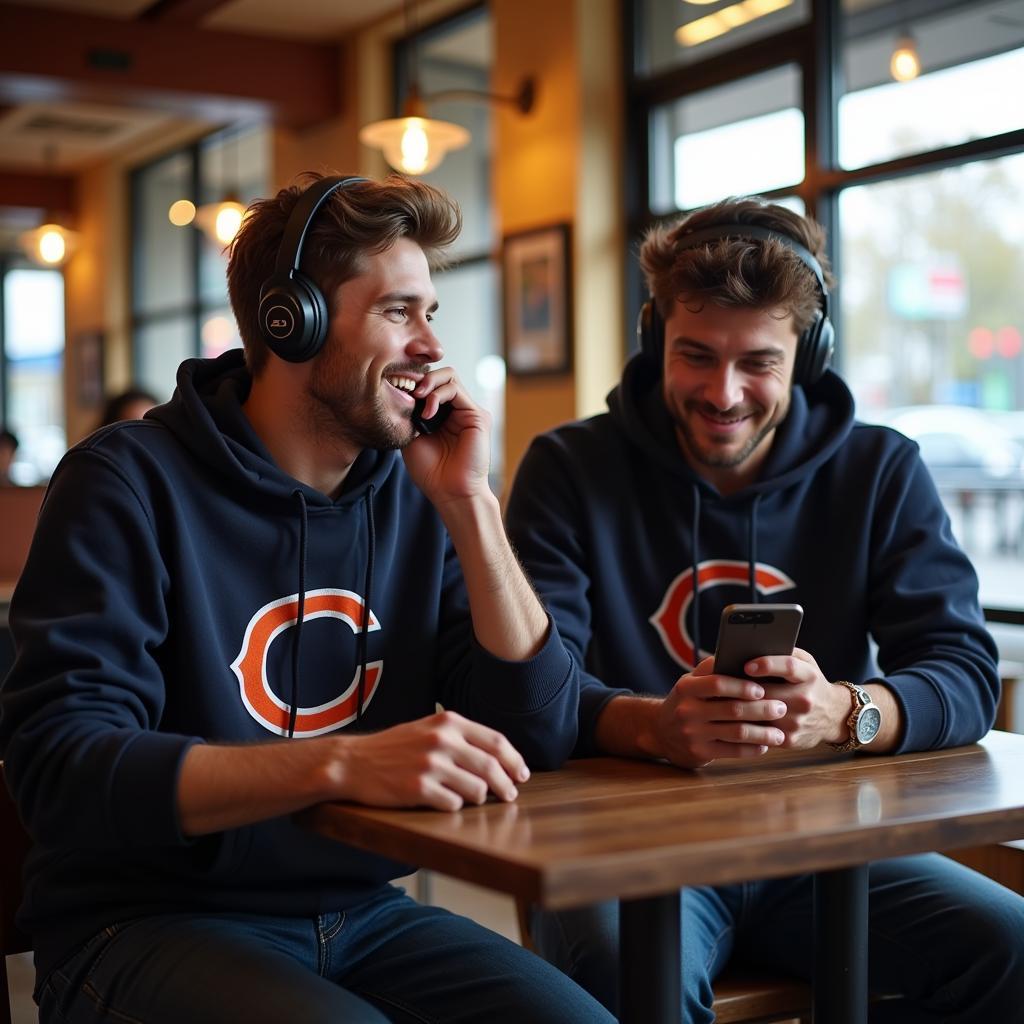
(178, 968)
(946, 939)
(584, 943)
(425, 964)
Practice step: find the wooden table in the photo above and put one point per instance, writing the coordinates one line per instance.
(609, 827)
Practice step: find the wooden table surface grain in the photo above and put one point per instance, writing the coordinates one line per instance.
(611, 827)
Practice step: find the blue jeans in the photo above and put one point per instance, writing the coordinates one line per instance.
(946, 943)
(387, 959)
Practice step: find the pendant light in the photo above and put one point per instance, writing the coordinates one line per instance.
(52, 243)
(905, 64)
(220, 220)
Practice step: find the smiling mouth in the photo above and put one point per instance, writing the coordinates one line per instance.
(403, 384)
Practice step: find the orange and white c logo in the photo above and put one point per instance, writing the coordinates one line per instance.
(251, 664)
(670, 618)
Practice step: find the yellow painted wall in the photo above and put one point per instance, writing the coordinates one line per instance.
(560, 164)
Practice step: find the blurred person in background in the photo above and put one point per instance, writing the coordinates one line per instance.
(132, 404)
(8, 449)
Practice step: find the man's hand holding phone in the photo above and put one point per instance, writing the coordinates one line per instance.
(722, 710)
(757, 642)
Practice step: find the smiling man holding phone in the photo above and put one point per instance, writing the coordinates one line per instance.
(730, 469)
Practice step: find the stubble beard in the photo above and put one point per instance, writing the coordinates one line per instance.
(342, 412)
(707, 455)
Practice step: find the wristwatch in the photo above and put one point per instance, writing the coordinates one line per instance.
(865, 719)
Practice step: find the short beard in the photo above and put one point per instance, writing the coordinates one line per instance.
(708, 458)
(342, 414)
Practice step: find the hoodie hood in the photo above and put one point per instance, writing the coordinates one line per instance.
(820, 419)
(206, 415)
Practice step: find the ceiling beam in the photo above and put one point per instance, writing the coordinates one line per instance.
(179, 12)
(43, 191)
(61, 55)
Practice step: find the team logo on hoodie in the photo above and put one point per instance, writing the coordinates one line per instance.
(670, 620)
(251, 664)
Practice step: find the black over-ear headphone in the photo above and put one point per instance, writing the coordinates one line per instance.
(814, 347)
(293, 310)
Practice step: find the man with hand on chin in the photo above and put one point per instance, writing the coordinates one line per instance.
(730, 469)
(265, 588)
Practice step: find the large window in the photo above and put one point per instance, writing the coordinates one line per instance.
(450, 56)
(921, 185)
(32, 364)
(179, 289)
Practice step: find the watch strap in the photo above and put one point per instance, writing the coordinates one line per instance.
(861, 699)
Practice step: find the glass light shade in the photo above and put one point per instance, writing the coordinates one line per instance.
(220, 221)
(414, 145)
(49, 245)
(905, 63)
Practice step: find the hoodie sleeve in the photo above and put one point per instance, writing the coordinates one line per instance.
(546, 524)
(79, 709)
(533, 702)
(934, 651)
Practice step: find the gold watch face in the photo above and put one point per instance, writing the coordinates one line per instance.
(868, 723)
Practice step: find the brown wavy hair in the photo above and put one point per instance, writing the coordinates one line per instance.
(738, 272)
(358, 220)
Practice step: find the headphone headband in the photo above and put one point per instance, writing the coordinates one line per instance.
(715, 232)
(289, 253)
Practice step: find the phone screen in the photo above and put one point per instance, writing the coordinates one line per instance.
(748, 631)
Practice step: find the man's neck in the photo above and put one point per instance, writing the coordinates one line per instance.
(281, 419)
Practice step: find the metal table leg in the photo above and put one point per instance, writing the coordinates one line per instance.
(841, 946)
(650, 955)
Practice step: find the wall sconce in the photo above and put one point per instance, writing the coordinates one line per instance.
(51, 244)
(905, 64)
(415, 143)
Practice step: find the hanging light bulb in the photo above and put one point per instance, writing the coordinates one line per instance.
(905, 64)
(414, 143)
(220, 221)
(50, 244)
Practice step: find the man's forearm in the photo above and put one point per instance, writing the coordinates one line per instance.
(222, 787)
(626, 727)
(508, 618)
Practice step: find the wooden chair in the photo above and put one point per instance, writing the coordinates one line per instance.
(741, 996)
(13, 848)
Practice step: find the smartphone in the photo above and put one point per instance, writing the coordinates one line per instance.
(749, 631)
(435, 422)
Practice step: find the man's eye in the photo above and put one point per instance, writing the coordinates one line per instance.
(396, 312)
(430, 318)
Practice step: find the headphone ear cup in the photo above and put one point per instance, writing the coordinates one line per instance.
(650, 333)
(814, 350)
(293, 317)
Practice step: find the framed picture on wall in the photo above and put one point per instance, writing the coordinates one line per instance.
(537, 290)
(88, 353)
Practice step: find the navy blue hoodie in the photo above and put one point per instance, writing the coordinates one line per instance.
(613, 527)
(158, 608)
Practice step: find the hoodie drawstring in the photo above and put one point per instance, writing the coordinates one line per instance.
(297, 646)
(695, 537)
(367, 599)
(367, 595)
(694, 545)
(752, 547)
